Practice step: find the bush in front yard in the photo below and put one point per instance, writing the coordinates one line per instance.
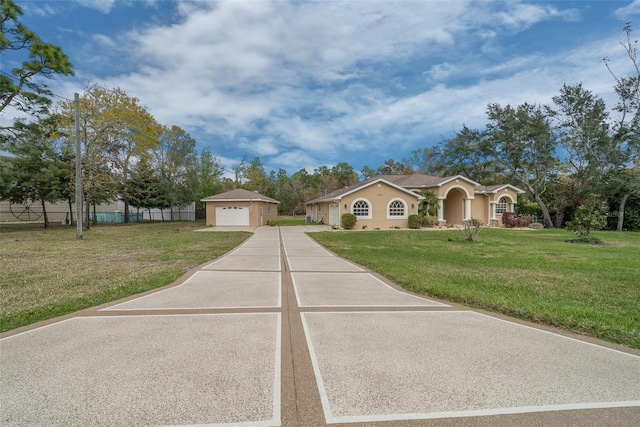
(470, 228)
(415, 221)
(348, 221)
(524, 221)
(429, 221)
(510, 219)
(590, 215)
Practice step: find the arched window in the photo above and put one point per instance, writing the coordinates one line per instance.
(501, 207)
(361, 208)
(396, 208)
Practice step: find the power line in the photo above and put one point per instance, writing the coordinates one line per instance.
(11, 76)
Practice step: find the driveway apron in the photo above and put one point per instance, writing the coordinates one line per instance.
(281, 331)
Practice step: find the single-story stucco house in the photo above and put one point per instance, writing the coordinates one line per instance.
(386, 201)
(240, 208)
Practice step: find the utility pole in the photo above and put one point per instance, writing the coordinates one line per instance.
(76, 99)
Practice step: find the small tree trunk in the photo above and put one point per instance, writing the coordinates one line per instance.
(95, 216)
(70, 212)
(126, 210)
(87, 207)
(545, 211)
(621, 207)
(623, 203)
(559, 218)
(44, 212)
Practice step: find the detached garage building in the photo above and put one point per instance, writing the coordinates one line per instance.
(240, 208)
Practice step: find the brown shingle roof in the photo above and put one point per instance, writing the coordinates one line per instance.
(494, 188)
(240, 195)
(414, 180)
(336, 194)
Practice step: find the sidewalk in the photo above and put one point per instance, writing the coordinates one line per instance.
(282, 332)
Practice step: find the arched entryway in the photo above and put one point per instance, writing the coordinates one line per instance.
(453, 206)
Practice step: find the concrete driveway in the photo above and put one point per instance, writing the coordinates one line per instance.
(282, 332)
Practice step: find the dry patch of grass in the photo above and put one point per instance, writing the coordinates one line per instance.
(46, 273)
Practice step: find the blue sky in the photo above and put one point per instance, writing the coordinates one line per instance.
(305, 84)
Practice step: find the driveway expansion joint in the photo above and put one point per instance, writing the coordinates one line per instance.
(341, 357)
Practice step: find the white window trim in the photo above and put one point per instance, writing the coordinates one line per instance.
(506, 205)
(406, 209)
(370, 216)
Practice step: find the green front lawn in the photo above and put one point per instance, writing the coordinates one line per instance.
(533, 275)
(288, 220)
(48, 273)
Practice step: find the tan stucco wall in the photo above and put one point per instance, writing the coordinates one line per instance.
(379, 196)
(269, 211)
(458, 190)
(512, 198)
(453, 194)
(480, 208)
(318, 212)
(379, 199)
(460, 184)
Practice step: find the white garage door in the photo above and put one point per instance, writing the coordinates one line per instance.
(232, 215)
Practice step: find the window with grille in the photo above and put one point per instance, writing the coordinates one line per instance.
(396, 208)
(501, 206)
(361, 208)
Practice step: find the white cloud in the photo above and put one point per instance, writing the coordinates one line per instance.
(239, 74)
(104, 41)
(521, 16)
(302, 83)
(270, 43)
(106, 6)
(103, 6)
(260, 147)
(626, 12)
(441, 71)
(295, 160)
(38, 9)
(393, 124)
(304, 134)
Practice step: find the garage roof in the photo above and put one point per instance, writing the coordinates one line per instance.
(240, 195)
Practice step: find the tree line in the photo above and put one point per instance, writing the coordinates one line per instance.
(573, 150)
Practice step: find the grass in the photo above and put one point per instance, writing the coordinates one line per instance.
(48, 273)
(533, 275)
(286, 221)
(289, 220)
